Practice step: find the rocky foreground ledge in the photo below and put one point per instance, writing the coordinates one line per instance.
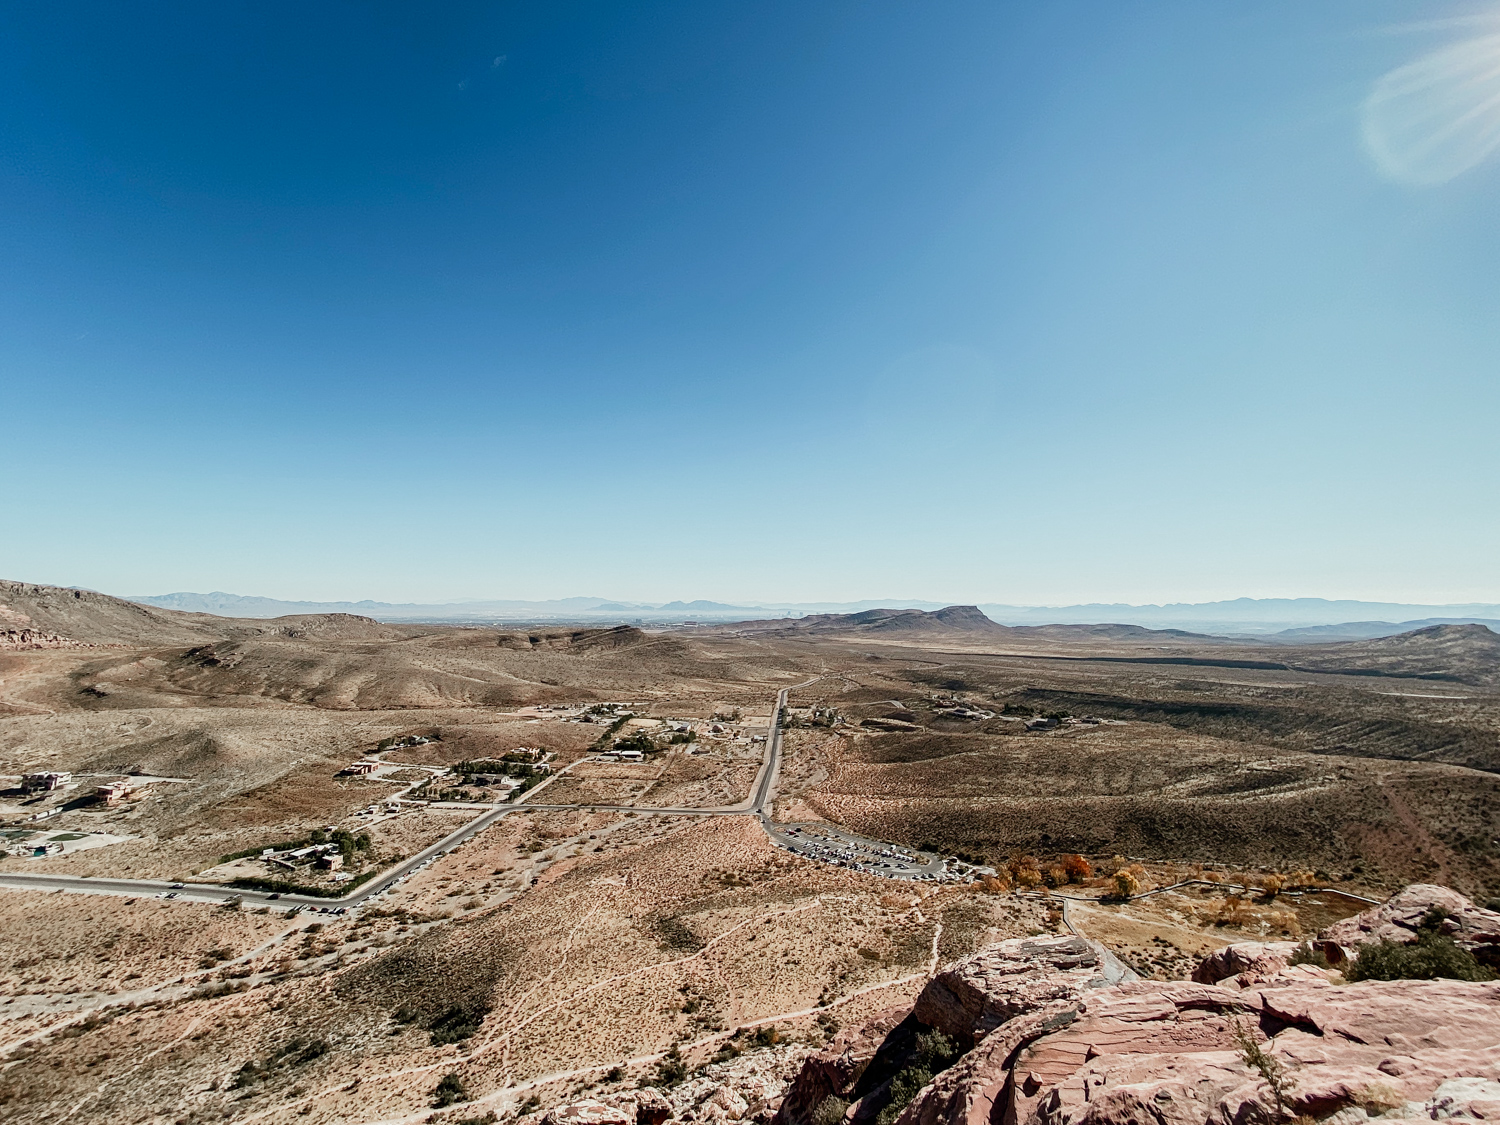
(1054, 1030)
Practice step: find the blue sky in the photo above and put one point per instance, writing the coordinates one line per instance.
(970, 301)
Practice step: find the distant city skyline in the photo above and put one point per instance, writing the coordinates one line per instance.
(1034, 305)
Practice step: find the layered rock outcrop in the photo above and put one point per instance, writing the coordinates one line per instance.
(973, 996)
(1064, 1035)
(1472, 927)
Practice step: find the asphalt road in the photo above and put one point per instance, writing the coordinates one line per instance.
(755, 805)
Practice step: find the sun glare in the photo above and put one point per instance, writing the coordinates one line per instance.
(1433, 119)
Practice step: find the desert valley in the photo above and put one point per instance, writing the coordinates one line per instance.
(325, 869)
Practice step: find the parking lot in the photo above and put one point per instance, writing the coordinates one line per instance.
(857, 853)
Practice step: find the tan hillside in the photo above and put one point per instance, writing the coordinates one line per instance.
(1468, 654)
(84, 617)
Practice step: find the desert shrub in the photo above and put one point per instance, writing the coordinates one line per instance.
(1256, 1058)
(1078, 869)
(830, 1111)
(1126, 885)
(482, 1119)
(1431, 956)
(449, 1091)
(768, 1036)
(935, 1053)
(904, 1087)
(1305, 954)
(995, 884)
(294, 1053)
(455, 1024)
(670, 1070)
(614, 1074)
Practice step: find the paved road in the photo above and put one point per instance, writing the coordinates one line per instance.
(206, 892)
(755, 805)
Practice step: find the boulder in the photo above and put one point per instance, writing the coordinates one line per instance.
(728, 1100)
(587, 1112)
(1258, 958)
(1473, 927)
(975, 995)
(1174, 1053)
(651, 1106)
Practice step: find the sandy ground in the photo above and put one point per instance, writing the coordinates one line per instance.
(62, 944)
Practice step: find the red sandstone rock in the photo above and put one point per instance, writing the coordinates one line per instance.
(975, 995)
(833, 1071)
(1472, 927)
(1058, 1043)
(1173, 1054)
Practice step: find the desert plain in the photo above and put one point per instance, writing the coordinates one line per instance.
(628, 910)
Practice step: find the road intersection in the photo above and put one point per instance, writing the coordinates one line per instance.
(845, 850)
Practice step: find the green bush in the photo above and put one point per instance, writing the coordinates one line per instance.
(1305, 954)
(670, 1070)
(935, 1054)
(1432, 955)
(454, 1025)
(450, 1090)
(830, 1111)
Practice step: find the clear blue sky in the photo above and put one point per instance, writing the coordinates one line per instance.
(1027, 303)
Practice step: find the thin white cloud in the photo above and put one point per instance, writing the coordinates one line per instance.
(1434, 119)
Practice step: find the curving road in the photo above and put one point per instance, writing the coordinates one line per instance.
(754, 805)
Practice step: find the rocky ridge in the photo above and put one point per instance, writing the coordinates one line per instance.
(1053, 1030)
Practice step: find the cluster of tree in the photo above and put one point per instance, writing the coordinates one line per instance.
(818, 716)
(512, 767)
(349, 844)
(640, 740)
(1027, 871)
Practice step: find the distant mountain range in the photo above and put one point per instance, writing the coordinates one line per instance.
(1297, 620)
